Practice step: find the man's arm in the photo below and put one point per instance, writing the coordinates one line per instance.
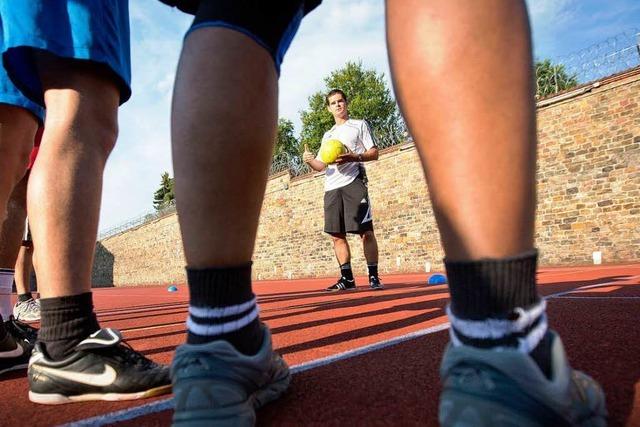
(369, 155)
(311, 160)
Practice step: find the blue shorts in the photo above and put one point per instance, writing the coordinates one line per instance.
(9, 93)
(270, 23)
(90, 30)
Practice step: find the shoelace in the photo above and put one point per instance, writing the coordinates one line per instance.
(130, 355)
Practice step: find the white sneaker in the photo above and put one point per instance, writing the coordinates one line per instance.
(27, 311)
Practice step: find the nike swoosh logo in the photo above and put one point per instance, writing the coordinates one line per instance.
(99, 380)
(16, 352)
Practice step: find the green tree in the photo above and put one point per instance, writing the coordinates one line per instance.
(286, 142)
(369, 99)
(552, 78)
(164, 195)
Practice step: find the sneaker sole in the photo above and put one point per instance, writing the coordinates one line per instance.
(15, 368)
(341, 290)
(59, 399)
(242, 414)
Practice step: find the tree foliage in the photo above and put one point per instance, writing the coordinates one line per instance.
(552, 78)
(286, 143)
(164, 195)
(369, 99)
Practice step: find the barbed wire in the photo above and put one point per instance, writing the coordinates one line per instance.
(610, 56)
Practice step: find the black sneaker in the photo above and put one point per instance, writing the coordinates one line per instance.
(342, 285)
(21, 330)
(14, 353)
(101, 368)
(375, 283)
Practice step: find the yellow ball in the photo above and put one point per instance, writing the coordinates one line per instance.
(330, 150)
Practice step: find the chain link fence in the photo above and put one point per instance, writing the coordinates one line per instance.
(611, 56)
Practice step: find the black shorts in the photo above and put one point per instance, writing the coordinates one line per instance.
(347, 209)
(271, 24)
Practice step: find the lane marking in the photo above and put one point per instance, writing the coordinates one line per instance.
(597, 285)
(596, 297)
(167, 404)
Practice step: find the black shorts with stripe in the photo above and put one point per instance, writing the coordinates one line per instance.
(270, 23)
(347, 209)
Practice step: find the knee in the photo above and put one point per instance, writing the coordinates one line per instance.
(338, 238)
(367, 236)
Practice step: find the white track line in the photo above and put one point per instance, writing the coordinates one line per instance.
(166, 404)
(597, 285)
(596, 297)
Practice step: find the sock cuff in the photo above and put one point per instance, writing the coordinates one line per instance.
(210, 286)
(524, 331)
(67, 317)
(492, 288)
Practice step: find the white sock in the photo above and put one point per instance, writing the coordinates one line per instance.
(6, 285)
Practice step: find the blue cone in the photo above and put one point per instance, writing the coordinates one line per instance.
(172, 288)
(437, 279)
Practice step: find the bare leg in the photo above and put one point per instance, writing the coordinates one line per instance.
(341, 248)
(65, 187)
(475, 125)
(224, 127)
(13, 226)
(17, 131)
(463, 75)
(370, 247)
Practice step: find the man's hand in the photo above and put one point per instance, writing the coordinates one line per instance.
(307, 156)
(347, 158)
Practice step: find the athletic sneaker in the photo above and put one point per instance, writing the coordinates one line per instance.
(14, 352)
(375, 283)
(506, 388)
(21, 330)
(214, 384)
(342, 285)
(27, 311)
(102, 367)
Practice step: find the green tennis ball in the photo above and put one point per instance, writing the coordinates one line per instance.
(330, 150)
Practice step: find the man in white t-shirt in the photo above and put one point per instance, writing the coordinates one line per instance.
(346, 200)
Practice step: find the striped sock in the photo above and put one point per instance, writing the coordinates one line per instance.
(222, 306)
(495, 304)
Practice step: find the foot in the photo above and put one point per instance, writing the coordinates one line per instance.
(214, 384)
(27, 311)
(375, 283)
(15, 350)
(342, 285)
(484, 387)
(101, 368)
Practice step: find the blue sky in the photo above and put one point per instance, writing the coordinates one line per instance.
(336, 32)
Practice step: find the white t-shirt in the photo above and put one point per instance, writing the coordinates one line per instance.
(356, 136)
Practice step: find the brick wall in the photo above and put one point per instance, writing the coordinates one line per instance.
(588, 200)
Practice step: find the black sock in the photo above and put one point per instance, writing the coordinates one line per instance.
(25, 297)
(345, 271)
(65, 321)
(493, 288)
(373, 270)
(216, 288)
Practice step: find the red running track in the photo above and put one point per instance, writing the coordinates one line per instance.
(364, 357)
